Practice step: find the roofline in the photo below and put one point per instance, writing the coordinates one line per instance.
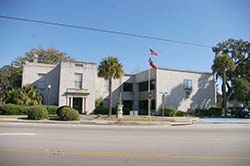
(39, 64)
(76, 61)
(187, 71)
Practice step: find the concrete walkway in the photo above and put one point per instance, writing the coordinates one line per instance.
(95, 120)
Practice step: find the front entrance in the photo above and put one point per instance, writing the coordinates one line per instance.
(77, 104)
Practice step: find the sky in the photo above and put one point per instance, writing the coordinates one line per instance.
(205, 22)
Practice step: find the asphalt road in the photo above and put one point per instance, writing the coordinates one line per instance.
(71, 145)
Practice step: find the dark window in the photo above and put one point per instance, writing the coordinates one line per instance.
(143, 86)
(143, 106)
(187, 85)
(128, 104)
(128, 87)
(78, 65)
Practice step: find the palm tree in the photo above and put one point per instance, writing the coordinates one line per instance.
(222, 64)
(110, 68)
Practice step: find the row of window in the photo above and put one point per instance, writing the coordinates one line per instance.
(127, 87)
(78, 78)
(143, 86)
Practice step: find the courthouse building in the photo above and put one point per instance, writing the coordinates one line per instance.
(76, 84)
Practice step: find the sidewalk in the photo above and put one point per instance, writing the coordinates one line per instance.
(95, 120)
(222, 121)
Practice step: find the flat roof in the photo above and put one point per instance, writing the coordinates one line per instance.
(76, 61)
(187, 71)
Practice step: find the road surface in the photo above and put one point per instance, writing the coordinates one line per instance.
(72, 145)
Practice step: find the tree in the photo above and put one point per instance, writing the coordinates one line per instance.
(27, 95)
(242, 90)
(9, 78)
(222, 64)
(11, 75)
(47, 56)
(110, 68)
(239, 52)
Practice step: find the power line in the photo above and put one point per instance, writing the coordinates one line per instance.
(106, 31)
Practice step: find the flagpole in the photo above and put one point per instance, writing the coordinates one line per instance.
(149, 97)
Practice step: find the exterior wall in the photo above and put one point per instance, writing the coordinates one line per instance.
(31, 73)
(203, 92)
(142, 77)
(102, 89)
(61, 79)
(67, 71)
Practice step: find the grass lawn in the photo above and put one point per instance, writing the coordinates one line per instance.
(141, 118)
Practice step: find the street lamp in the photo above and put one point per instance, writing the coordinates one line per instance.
(163, 101)
(49, 87)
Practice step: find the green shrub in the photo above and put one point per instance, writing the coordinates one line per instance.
(68, 113)
(211, 112)
(59, 110)
(37, 113)
(215, 112)
(104, 111)
(197, 112)
(52, 109)
(169, 111)
(13, 109)
(236, 112)
(181, 113)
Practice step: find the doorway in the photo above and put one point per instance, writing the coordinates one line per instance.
(77, 104)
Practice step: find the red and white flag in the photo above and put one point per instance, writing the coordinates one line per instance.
(153, 52)
(152, 64)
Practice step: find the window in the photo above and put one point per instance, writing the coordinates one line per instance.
(128, 87)
(143, 106)
(78, 80)
(79, 65)
(143, 86)
(127, 104)
(187, 85)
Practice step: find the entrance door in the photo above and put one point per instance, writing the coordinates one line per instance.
(77, 104)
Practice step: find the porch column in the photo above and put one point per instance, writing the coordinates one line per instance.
(84, 100)
(71, 101)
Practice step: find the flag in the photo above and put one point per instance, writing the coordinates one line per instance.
(152, 52)
(151, 63)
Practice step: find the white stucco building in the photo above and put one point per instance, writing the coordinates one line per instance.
(76, 84)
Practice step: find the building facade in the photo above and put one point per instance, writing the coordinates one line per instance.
(76, 84)
(70, 83)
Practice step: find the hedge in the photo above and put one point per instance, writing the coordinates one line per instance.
(211, 112)
(181, 113)
(13, 109)
(169, 111)
(104, 111)
(37, 113)
(67, 113)
(51, 109)
(59, 110)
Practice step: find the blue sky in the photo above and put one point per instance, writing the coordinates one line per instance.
(197, 21)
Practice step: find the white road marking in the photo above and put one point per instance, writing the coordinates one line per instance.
(16, 134)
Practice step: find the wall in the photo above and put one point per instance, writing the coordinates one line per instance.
(67, 70)
(102, 89)
(203, 89)
(51, 76)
